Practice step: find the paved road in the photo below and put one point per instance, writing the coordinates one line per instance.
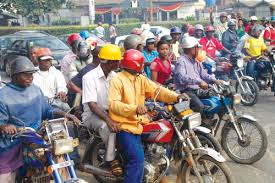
(262, 171)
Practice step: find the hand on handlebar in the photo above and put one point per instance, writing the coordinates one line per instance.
(203, 85)
(219, 82)
(8, 129)
(183, 96)
(141, 110)
(73, 118)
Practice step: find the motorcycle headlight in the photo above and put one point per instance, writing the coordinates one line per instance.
(240, 63)
(194, 121)
(237, 99)
(63, 146)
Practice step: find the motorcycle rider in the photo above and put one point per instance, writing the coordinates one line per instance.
(175, 33)
(199, 31)
(254, 47)
(50, 80)
(27, 105)
(210, 44)
(189, 74)
(269, 33)
(84, 57)
(253, 21)
(149, 54)
(72, 41)
(230, 38)
(127, 93)
(133, 42)
(95, 95)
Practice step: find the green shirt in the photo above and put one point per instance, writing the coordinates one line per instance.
(240, 32)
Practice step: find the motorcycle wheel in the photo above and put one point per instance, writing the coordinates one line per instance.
(239, 151)
(207, 139)
(210, 171)
(97, 159)
(248, 100)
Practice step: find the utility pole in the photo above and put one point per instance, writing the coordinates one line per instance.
(151, 11)
(91, 11)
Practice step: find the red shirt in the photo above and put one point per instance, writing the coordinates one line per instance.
(211, 46)
(163, 72)
(269, 33)
(247, 28)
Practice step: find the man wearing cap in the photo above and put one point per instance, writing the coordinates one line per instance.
(189, 74)
(149, 54)
(269, 33)
(50, 80)
(21, 102)
(253, 21)
(221, 26)
(100, 31)
(230, 37)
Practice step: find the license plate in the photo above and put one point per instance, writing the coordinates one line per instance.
(62, 165)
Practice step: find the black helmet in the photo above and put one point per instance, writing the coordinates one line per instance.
(132, 42)
(167, 38)
(22, 64)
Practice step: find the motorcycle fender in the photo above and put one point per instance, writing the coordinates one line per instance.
(247, 78)
(247, 116)
(210, 152)
(202, 129)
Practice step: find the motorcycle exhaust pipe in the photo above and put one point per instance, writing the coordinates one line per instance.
(97, 171)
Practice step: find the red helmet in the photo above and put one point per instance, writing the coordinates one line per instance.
(132, 59)
(72, 37)
(209, 28)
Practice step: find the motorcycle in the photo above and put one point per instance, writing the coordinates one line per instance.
(177, 134)
(245, 85)
(46, 153)
(157, 111)
(240, 133)
(265, 72)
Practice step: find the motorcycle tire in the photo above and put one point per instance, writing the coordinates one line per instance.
(207, 139)
(185, 171)
(227, 129)
(252, 86)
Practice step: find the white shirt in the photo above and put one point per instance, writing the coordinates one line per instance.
(145, 26)
(65, 65)
(95, 88)
(50, 82)
(100, 31)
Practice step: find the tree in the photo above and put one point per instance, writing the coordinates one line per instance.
(32, 9)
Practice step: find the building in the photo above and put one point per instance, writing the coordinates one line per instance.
(262, 8)
(7, 18)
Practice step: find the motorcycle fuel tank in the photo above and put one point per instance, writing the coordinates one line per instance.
(212, 105)
(159, 131)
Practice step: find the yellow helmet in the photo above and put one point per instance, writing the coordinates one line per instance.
(110, 52)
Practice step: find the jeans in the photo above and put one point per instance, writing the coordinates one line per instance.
(250, 69)
(132, 149)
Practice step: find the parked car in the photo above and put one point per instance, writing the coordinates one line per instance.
(156, 30)
(22, 41)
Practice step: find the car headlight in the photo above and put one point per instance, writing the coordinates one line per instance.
(237, 99)
(240, 63)
(194, 121)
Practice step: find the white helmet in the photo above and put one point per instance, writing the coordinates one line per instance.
(199, 27)
(253, 18)
(190, 42)
(146, 35)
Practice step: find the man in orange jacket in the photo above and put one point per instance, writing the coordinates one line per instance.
(127, 94)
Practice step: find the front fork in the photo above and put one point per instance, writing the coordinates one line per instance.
(239, 74)
(240, 132)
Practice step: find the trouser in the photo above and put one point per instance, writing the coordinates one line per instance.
(92, 121)
(8, 177)
(132, 149)
(195, 102)
(250, 69)
(112, 40)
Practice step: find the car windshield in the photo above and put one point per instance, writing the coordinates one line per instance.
(51, 43)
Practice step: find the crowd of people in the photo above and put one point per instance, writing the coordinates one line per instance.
(114, 84)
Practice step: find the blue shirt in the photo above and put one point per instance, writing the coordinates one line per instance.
(27, 104)
(189, 73)
(149, 58)
(77, 80)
